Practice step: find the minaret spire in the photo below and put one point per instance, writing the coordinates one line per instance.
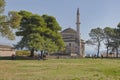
(78, 32)
(78, 14)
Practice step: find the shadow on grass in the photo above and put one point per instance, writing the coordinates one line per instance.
(18, 58)
(36, 58)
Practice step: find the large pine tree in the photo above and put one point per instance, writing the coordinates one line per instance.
(39, 33)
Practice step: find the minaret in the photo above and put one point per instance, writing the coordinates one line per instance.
(78, 32)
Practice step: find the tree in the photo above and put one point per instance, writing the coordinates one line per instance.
(118, 25)
(97, 37)
(112, 39)
(117, 39)
(31, 29)
(108, 34)
(8, 23)
(37, 33)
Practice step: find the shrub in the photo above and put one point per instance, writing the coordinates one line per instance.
(22, 53)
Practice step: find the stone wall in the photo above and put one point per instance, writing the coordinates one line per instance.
(6, 50)
(7, 53)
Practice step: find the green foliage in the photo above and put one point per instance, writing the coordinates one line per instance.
(54, 27)
(108, 35)
(31, 30)
(36, 41)
(22, 53)
(50, 46)
(96, 34)
(8, 23)
(15, 19)
(52, 23)
(2, 6)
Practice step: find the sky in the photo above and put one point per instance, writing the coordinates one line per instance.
(93, 13)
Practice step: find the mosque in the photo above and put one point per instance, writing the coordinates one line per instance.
(75, 46)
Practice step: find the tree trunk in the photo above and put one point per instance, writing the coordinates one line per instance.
(98, 49)
(108, 45)
(42, 54)
(116, 52)
(32, 52)
(107, 51)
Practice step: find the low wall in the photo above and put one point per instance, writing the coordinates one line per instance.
(7, 53)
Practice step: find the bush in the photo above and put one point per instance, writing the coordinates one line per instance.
(23, 53)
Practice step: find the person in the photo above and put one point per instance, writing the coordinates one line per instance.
(101, 56)
(13, 56)
(44, 56)
(39, 56)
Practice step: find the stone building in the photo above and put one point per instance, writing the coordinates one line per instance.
(74, 44)
(6, 50)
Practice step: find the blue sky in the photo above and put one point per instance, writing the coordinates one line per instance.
(93, 13)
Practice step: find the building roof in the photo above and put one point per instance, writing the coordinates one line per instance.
(68, 30)
(5, 46)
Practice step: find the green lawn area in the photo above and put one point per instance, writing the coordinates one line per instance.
(60, 69)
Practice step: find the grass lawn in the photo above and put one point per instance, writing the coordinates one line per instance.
(60, 69)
